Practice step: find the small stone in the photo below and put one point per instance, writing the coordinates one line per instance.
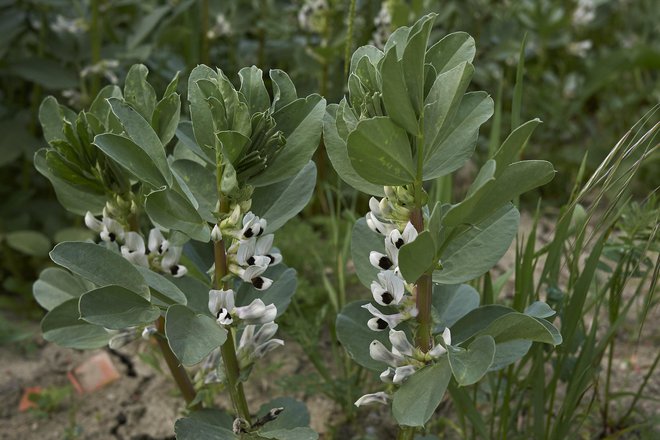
(93, 374)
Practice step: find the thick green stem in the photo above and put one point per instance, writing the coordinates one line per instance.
(179, 373)
(406, 433)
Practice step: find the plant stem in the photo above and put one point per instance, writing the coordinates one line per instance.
(204, 37)
(95, 43)
(179, 373)
(406, 433)
(228, 349)
(349, 39)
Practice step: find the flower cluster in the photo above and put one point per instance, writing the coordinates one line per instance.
(402, 361)
(311, 16)
(158, 253)
(389, 217)
(382, 24)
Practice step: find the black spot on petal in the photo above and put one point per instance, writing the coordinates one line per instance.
(248, 233)
(385, 263)
(387, 298)
(174, 269)
(258, 282)
(261, 231)
(112, 236)
(251, 261)
(399, 243)
(381, 324)
(271, 258)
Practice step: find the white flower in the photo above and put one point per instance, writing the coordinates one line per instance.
(253, 226)
(216, 234)
(252, 274)
(400, 344)
(383, 261)
(157, 243)
(108, 228)
(380, 397)
(439, 350)
(122, 337)
(134, 250)
(379, 352)
(222, 306)
(257, 252)
(584, 13)
(402, 373)
(254, 346)
(380, 321)
(170, 262)
(389, 288)
(398, 239)
(148, 331)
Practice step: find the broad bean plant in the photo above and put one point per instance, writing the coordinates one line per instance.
(408, 119)
(185, 212)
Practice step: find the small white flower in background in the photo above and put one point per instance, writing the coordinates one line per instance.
(170, 262)
(222, 306)
(382, 22)
(309, 15)
(74, 26)
(580, 48)
(389, 289)
(148, 331)
(134, 250)
(380, 397)
(109, 229)
(122, 337)
(103, 67)
(584, 13)
(221, 27)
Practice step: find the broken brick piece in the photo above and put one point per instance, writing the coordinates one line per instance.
(93, 374)
(26, 403)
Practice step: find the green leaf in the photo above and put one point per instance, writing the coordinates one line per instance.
(450, 51)
(254, 90)
(63, 326)
(295, 414)
(284, 91)
(456, 142)
(395, 95)
(279, 293)
(31, 243)
(192, 337)
(165, 119)
(46, 72)
(513, 146)
(413, 60)
(469, 366)
(355, 336)
(475, 321)
(75, 199)
(509, 352)
(139, 93)
(380, 152)
(442, 105)
(202, 183)
(145, 26)
(539, 309)
(302, 433)
(162, 288)
(50, 117)
(100, 106)
(363, 241)
(115, 307)
(452, 302)
(479, 247)
(130, 156)
(301, 123)
(417, 399)
(99, 265)
(337, 151)
(55, 286)
(200, 113)
(417, 257)
(196, 291)
(144, 136)
(372, 53)
(205, 424)
(171, 210)
(280, 202)
(232, 143)
(520, 326)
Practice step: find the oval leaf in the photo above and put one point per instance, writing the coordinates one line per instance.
(63, 326)
(115, 307)
(468, 366)
(171, 210)
(190, 336)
